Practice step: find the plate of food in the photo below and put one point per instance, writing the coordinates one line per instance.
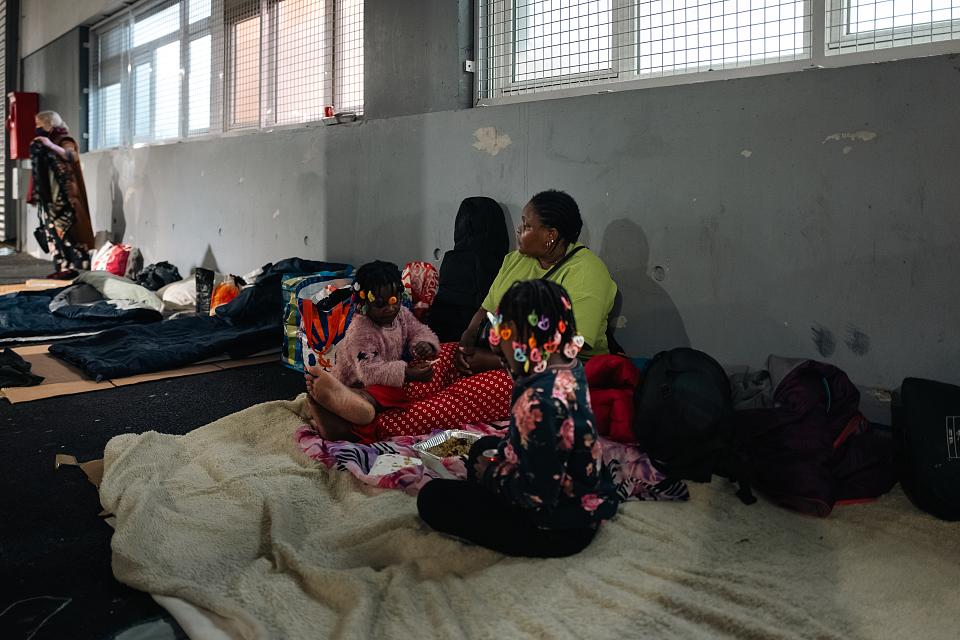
(447, 450)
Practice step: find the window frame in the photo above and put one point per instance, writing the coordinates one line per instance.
(841, 39)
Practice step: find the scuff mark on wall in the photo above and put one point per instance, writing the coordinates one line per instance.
(860, 136)
(857, 341)
(746, 153)
(490, 140)
(847, 150)
(823, 339)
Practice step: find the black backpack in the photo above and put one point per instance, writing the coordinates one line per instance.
(926, 421)
(683, 418)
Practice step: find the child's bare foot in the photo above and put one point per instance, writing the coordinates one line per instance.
(328, 424)
(336, 397)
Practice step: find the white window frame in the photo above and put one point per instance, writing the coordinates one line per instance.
(840, 38)
(491, 92)
(121, 69)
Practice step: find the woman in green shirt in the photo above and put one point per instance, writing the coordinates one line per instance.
(547, 245)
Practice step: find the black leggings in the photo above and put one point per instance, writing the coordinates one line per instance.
(470, 511)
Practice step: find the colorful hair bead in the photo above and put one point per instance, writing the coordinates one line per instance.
(505, 333)
(535, 355)
(562, 327)
(544, 323)
(494, 337)
(566, 303)
(370, 296)
(392, 300)
(572, 348)
(356, 286)
(526, 367)
(532, 319)
(540, 367)
(532, 342)
(495, 321)
(519, 355)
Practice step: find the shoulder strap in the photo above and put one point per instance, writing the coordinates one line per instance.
(554, 268)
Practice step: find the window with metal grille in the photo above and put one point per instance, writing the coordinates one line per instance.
(531, 46)
(177, 68)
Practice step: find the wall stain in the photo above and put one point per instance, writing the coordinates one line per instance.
(857, 341)
(824, 340)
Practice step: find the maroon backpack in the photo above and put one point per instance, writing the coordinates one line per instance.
(814, 449)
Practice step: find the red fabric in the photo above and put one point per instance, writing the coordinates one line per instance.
(447, 401)
(389, 397)
(613, 380)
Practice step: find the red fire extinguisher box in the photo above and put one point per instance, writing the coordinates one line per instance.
(20, 122)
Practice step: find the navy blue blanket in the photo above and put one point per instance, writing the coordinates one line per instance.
(250, 323)
(26, 314)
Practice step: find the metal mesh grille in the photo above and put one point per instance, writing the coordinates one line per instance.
(529, 46)
(866, 25)
(167, 70)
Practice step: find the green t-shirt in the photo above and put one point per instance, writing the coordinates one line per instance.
(586, 279)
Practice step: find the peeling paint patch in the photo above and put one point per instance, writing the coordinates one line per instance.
(847, 150)
(860, 136)
(490, 141)
(276, 214)
(620, 322)
(746, 153)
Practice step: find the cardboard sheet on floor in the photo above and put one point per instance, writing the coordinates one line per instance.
(32, 285)
(62, 379)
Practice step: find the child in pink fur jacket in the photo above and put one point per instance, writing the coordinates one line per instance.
(370, 371)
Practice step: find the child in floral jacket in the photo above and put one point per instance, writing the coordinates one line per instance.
(541, 490)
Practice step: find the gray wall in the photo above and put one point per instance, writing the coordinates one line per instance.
(776, 211)
(812, 214)
(59, 72)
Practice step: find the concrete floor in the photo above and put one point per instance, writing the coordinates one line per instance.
(18, 267)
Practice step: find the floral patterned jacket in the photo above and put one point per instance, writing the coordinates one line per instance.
(550, 460)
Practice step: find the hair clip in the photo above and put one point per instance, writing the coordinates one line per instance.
(532, 319)
(572, 348)
(519, 355)
(544, 323)
(540, 367)
(505, 333)
(495, 321)
(392, 300)
(562, 327)
(356, 286)
(532, 341)
(526, 367)
(494, 337)
(370, 296)
(566, 303)
(535, 355)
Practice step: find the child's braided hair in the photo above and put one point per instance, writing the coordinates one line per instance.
(541, 311)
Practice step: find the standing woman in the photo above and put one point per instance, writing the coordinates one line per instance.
(61, 195)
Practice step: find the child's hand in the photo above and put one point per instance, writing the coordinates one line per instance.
(463, 360)
(418, 372)
(423, 351)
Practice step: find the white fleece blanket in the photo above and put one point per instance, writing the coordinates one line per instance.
(233, 518)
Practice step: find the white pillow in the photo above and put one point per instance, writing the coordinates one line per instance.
(181, 294)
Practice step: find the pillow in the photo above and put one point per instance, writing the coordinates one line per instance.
(111, 258)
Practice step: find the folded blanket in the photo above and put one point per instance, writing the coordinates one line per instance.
(235, 518)
(634, 475)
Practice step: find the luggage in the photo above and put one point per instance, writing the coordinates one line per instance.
(926, 420)
(295, 289)
(683, 414)
(814, 449)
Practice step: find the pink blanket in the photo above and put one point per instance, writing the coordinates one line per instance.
(633, 474)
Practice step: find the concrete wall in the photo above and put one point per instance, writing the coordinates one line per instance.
(43, 21)
(59, 72)
(812, 214)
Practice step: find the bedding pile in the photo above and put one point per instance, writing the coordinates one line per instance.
(236, 519)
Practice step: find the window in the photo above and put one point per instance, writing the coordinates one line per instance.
(531, 46)
(863, 25)
(178, 68)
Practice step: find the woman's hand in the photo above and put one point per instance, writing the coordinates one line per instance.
(423, 351)
(463, 359)
(418, 372)
(45, 141)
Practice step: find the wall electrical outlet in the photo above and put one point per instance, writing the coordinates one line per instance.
(469, 66)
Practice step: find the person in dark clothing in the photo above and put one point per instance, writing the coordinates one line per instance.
(541, 490)
(481, 240)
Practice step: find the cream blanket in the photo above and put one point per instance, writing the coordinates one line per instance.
(235, 519)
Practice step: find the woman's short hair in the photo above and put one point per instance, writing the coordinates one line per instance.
(558, 210)
(51, 120)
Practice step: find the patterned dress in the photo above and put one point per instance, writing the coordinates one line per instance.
(550, 462)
